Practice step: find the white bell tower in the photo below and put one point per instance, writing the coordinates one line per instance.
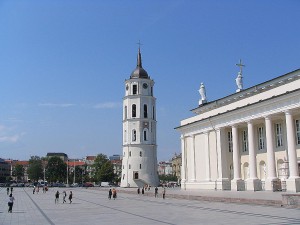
(139, 165)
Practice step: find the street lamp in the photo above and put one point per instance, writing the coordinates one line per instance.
(74, 172)
(68, 173)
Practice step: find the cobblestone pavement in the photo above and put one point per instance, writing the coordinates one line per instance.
(91, 206)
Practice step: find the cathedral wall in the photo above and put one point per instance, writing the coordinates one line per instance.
(200, 157)
(213, 155)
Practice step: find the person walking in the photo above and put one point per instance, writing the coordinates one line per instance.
(156, 192)
(164, 193)
(57, 197)
(10, 203)
(7, 190)
(109, 194)
(11, 189)
(138, 191)
(33, 191)
(64, 196)
(143, 191)
(70, 197)
(114, 193)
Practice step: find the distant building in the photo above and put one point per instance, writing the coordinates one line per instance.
(176, 166)
(89, 161)
(115, 157)
(5, 170)
(164, 168)
(63, 156)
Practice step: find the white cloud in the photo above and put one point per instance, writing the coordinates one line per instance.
(108, 105)
(60, 105)
(12, 138)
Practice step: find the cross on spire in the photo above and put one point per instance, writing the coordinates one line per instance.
(139, 43)
(241, 66)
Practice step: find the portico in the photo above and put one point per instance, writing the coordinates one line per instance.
(249, 140)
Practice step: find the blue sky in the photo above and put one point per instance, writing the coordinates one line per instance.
(63, 65)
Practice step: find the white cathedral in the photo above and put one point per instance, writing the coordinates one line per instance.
(139, 164)
(249, 140)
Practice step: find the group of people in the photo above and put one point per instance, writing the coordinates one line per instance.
(112, 193)
(36, 189)
(155, 191)
(64, 196)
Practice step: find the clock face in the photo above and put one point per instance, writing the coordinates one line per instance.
(145, 85)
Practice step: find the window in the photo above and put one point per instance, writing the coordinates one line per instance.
(145, 135)
(140, 154)
(230, 141)
(140, 166)
(261, 138)
(145, 111)
(130, 153)
(298, 131)
(278, 132)
(245, 141)
(133, 135)
(129, 166)
(125, 136)
(125, 112)
(133, 110)
(134, 89)
(151, 91)
(123, 176)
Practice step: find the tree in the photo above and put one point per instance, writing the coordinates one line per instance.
(103, 169)
(56, 169)
(79, 173)
(18, 172)
(35, 168)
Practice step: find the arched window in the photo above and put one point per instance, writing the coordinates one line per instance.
(130, 153)
(129, 166)
(125, 135)
(145, 135)
(123, 176)
(140, 166)
(125, 112)
(134, 89)
(133, 135)
(140, 154)
(145, 111)
(133, 110)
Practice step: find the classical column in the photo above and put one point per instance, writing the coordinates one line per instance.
(252, 183)
(207, 156)
(237, 183)
(223, 182)
(183, 162)
(193, 166)
(293, 182)
(270, 155)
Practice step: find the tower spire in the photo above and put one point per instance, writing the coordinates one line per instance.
(139, 57)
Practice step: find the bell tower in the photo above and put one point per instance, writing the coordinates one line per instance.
(139, 164)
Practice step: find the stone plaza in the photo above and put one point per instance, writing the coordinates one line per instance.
(92, 206)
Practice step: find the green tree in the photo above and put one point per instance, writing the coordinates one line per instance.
(35, 168)
(18, 172)
(56, 170)
(79, 175)
(103, 169)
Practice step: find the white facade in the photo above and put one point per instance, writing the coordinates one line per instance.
(249, 140)
(139, 165)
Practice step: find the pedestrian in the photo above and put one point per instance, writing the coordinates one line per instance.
(57, 197)
(11, 189)
(138, 191)
(164, 193)
(37, 189)
(7, 190)
(33, 191)
(156, 192)
(143, 191)
(64, 196)
(70, 197)
(114, 193)
(109, 194)
(10, 203)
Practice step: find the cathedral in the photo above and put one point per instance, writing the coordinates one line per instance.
(139, 164)
(249, 140)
